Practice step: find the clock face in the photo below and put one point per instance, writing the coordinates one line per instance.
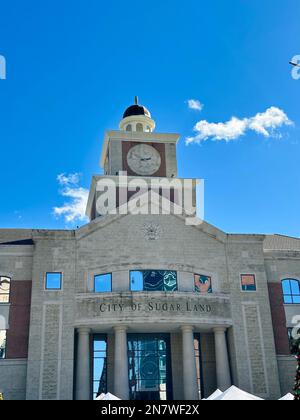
(144, 159)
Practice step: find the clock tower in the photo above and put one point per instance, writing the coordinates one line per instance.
(137, 150)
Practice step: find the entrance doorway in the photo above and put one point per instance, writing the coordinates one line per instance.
(150, 373)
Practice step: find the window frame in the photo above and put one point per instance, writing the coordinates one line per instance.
(5, 348)
(94, 354)
(292, 295)
(211, 284)
(292, 341)
(152, 291)
(100, 275)
(140, 353)
(9, 292)
(61, 281)
(241, 283)
(199, 359)
(139, 128)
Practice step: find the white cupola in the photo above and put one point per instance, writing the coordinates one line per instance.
(137, 118)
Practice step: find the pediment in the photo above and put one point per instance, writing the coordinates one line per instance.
(102, 223)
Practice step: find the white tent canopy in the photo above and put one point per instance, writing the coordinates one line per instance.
(236, 394)
(287, 397)
(100, 397)
(232, 394)
(107, 397)
(213, 396)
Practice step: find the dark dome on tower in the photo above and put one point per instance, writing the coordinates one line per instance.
(136, 109)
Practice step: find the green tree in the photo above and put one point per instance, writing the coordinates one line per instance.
(296, 351)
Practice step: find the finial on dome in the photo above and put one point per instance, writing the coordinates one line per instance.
(137, 118)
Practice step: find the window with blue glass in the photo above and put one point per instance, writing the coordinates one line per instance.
(291, 291)
(53, 281)
(153, 281)
(99, 365)
(103, 283)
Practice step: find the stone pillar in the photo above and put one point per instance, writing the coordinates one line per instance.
(190, 383)
(83, 367)
(121, 373)
(222, 360)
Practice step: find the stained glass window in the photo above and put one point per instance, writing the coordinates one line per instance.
(203, 284)
(153, 280)
(248, 282)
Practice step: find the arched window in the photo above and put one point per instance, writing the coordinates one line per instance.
(291, 291)
(129, 127)
(139, 127)
(4, 289)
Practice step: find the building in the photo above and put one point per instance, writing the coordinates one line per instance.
(145, 306)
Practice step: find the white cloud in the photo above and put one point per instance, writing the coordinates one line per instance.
(69, 179)
(195, 104)
(74, 209)
(220, 131)
(265, 123)
(271, 119)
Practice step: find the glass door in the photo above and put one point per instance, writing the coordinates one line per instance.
(150, 373)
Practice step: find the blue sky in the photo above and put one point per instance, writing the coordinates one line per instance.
(74, 66)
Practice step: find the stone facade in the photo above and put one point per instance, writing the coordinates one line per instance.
(49, 370)
(243, 334)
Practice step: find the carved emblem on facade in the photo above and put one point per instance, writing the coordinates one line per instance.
(152, 231)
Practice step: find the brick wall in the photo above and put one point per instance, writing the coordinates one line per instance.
(19, 319)
(279, 319)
